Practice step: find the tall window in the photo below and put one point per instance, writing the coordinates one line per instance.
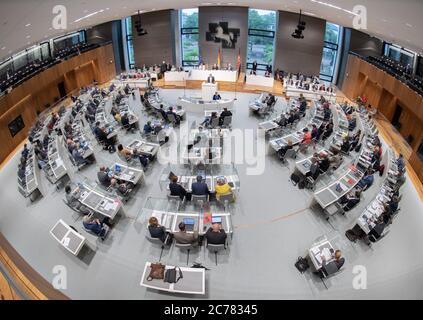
(189, 37)
(330, 52)
(129, 42)
(261, 38)
(402, 55)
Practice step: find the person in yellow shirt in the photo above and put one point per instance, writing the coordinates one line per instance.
(118, 117)
(221, 188)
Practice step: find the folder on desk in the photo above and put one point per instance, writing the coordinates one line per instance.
(207, 218)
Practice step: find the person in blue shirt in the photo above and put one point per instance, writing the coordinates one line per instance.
(148, 128)
(216, 96)
(95, 225)
(79, 159)
(367, 181)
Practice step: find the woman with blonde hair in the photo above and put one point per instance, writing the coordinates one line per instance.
(222, 188)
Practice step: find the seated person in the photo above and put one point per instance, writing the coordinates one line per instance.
(125, 123)
(208, 120)
(122, 187)
(163, 113)
(223, 114)
(177, 118)
(25, 150)
(392, 206)
(21, 171)
(200, 188)
(156, 230)
(314, 161)
(335, 161)
(284, 149)
(328, 131)
(104, 177)
(148, 128)
(95, 225)
(345, 147)
(351, 200)
(401, 162)
(306, 137)
(367, 181)
(72, 199)
(176, 189)
(128, 155)
(314, 131)
(324, 162)
(215, 234)
(79, 159)
(101, 135)
(222, 188)
(378, 229)
(216, 96)
(183, 237)
(339, 261)
(271, 100)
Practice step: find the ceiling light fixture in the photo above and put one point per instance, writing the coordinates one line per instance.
(27, 25)
(89, 15)
(334, 7)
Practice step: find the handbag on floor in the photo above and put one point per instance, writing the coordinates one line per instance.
(302, 264)
(156, 271)
(170, 275)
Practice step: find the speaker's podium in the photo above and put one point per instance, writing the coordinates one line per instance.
(208, 90)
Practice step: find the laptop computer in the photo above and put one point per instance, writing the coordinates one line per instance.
(217, 219)
(118, 168)
(189, 224)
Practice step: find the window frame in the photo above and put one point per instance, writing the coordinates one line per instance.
(129, 43)
(334, 47)
(254, 32)
(188, 31)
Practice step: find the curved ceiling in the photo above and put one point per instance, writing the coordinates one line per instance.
(26, 22)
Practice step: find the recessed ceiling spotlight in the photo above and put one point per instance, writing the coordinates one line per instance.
(409, 25)
(27, 25)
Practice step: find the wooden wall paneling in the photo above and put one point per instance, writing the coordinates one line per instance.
(32, 95)
(70, 81)
(385, 92)
(387, 104)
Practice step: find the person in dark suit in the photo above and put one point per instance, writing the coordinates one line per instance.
(210, 78)
(163, 113)
(216, 235)
(216, 96)
(176, 189)
(177, 118)
(223, 114)
(156, 230)
(103, 177)
(200, 188)
(254, 69)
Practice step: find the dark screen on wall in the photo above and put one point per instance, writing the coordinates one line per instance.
(16, 125)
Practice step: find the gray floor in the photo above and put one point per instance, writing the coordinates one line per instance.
(273, 226)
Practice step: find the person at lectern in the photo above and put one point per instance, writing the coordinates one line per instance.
(210, 78)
